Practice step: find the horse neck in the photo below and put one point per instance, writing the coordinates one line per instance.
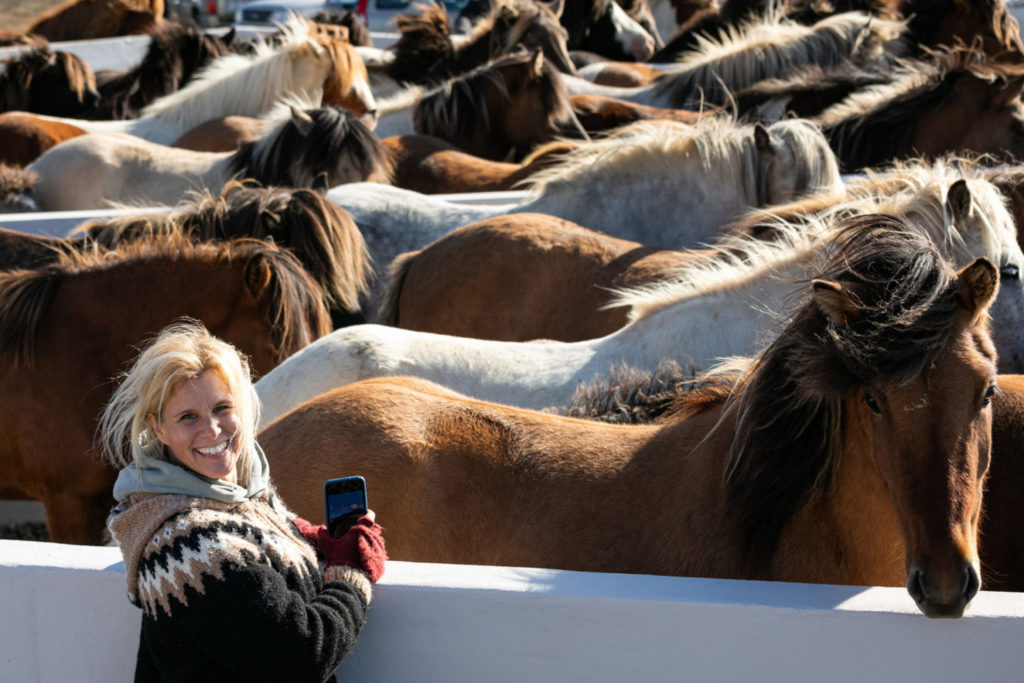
(850, 534)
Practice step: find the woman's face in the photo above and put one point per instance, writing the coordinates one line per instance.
(200, 426)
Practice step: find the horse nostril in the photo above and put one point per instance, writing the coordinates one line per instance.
(914, 586)
(972, 583)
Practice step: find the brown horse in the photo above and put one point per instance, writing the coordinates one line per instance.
(1001, 544)
(175, 53)
(959, 102)
(44, 82)
(68, 328)
(86, 19)
(430, 165)
(879, 385)
(523, 276)
(321, 235)
(24, 137)
(598, 114)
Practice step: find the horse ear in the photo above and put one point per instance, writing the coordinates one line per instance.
(762, 139)
(834, 301)
(958, 201)
(979, 284)
(302, 121)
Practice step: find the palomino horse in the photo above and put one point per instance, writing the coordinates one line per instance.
(880, 381)
(175, 53)
(500, 111)
(316, 148)
(760, 50)
(660, 183)
(44, 82)
(958, 101)
(67, 329)
(249, 85)
(86, 19)
(716, 308)
(423, 163)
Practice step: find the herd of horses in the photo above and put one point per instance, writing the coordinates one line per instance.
(759, 316)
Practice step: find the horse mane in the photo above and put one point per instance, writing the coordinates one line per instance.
(877, 123)
(768, 48)
(724, 146)
(925, 18)
(19, 74)
(454, 110)
(631, 396)
(789, 405)
(293, 298)
(260, 77)
(319, 233)
(915, 190)
(424, 50)
(295, 156)
(163, 70)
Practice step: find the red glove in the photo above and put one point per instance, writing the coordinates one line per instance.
(362, 547)
(309, 531)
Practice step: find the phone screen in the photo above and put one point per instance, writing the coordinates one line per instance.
(345, 502)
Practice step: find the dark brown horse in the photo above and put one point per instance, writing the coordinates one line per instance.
(425, 53)
(880, 383)
(44, 82)
(68, 328)
(176, 51)
(959, 102)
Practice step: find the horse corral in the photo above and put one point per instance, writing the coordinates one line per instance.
(692, 213)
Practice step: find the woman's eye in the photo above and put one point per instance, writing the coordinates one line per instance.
(872, 404)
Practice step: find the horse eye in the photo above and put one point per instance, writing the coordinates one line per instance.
(872, 404)
(1009, 272)
(989, 394)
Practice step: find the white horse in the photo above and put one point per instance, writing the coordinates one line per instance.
(756, 50)
(660, 183)
(727, 309)
(315, 148)
(244, 85)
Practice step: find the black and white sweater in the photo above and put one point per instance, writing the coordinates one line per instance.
(232, 591)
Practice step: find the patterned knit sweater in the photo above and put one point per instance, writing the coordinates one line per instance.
(231, 591)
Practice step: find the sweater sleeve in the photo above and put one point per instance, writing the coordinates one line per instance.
(232, 610)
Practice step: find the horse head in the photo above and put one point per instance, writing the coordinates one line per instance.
(793, 159)
(348, 83)
(882, 384)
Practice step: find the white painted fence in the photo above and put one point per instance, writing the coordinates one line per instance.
(66, 618)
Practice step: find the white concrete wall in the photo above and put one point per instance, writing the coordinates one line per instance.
(66, 618)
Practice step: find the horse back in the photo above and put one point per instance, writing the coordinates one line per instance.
(24, 137)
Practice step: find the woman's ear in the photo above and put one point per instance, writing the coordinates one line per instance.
(155, 426)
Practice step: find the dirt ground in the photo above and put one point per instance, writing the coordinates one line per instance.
(17, 15)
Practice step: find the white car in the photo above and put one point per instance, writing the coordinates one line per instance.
(278, 11)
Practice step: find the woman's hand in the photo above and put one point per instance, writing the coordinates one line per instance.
(362, 547)
(309, 531)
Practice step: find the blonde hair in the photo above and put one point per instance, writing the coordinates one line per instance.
(180, 352)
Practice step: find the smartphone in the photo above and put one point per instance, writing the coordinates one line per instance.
(344, 503)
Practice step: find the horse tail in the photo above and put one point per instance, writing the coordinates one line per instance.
(387, 313)
(25, 296)
(16, 187)
(296, 305)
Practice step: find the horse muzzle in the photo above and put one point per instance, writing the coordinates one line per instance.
(946, 599)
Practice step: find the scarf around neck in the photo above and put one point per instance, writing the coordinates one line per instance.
(151, 473)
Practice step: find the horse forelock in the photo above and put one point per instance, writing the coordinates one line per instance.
(789, 421)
